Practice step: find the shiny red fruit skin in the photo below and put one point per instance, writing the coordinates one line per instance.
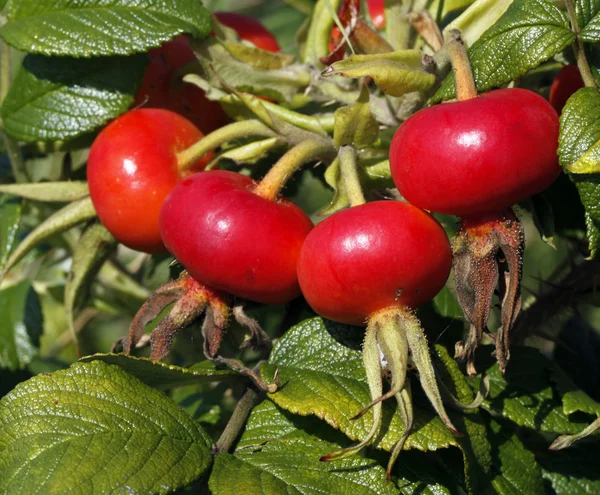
(162, 87)
(477, 156)
(566, 82)
(132, 166)
(377, 12)
(249, 29)
(371, 257)
(232, 240)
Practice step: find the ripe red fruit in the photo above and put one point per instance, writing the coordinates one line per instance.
(162, 87)
(371, 265)
(249, 29)
(233, 240)
(477, 156)
(132, 167)
(566, 82)
(377, 12)
(378, 255)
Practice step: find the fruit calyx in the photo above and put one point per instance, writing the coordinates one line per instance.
(488, 252)
(190, 299)
(397, 333)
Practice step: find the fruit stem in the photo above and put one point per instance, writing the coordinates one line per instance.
(347, 157)
(231, 132)
(237, 420)
(426, 26)
(578, 49)
(302, 153)
(463, 75)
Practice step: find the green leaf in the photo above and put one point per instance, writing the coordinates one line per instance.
(222, 68)
(279, 453)
(395, 73)
(579, 132)
(579, 125)
(354, 124)
(529, 33)
(321, 373)
(574, 399)
(257, 58)
(293, 468)
(97, 27)
(333, 177)
(516, 468)
(162, 375)
(64, 219)
(526, 395)
(588, 19)
(574, 470)
(94, 247)
(543, 218)
(96, 428)
(59, 98)
(60, 192)
(447, 305)
(475, 443)
(588, 163)
(10, 219)
(593, 235)
(21, 326)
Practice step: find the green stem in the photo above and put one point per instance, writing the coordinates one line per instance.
(578, 48)
(463, 75)
(4, 70)
(237, 420)
(231, 132)
(302, 153)
(347, 156)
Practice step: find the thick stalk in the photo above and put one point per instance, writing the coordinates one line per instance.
(299, 155)
(231, 132)
(347, 157)
(463, 75)
(237, 420)
(578, 49)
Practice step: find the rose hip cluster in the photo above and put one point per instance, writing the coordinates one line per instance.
(369, 265)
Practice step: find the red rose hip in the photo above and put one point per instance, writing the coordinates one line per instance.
(566, 82)
(372, 264)
(249, 29)
(132, 167)
(233, 240)
(163, 87)
(477, 156)
(475, 159)
(378, 255)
